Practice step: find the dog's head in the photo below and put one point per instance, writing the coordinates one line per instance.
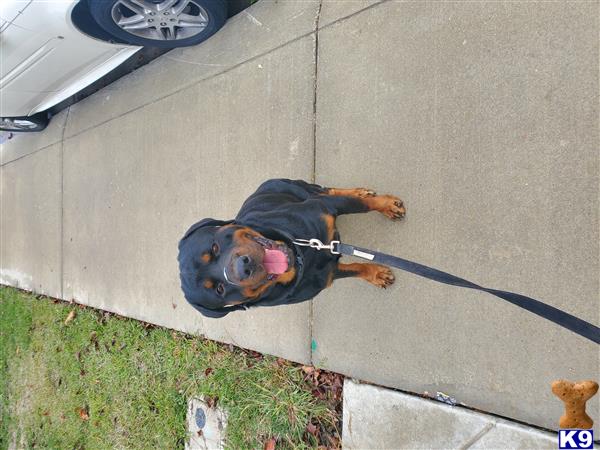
(223, 266)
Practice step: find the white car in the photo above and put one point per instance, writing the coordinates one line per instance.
(51, 50)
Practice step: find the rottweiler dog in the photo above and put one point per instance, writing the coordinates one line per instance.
(251, 260)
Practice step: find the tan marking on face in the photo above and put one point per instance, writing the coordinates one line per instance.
(284, 278)
(251, 293)
(206, 258)
(208, 284)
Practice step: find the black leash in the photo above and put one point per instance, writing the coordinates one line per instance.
(575, 324)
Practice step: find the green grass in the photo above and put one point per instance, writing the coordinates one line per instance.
(104, 381)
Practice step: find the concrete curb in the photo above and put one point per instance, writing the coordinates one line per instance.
(375, 417)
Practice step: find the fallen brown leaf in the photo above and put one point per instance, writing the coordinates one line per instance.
(70, 317)
(318, 394)
(208, 371)
(334, 442)
(254, 354)
(83, 414)
(212, 401)
(269, 445)
(308, 370)
(312, 429)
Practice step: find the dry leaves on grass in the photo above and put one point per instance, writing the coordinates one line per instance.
(83, 413)
(70, 317)
(312, 429)
(269, 445)
(328, 387)
(212, 401)
(326, 384)
(280, 362)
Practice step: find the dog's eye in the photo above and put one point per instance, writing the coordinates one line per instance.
(215, 249)
(220, 289)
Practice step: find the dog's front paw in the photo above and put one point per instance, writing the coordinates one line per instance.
(392, 207)
(382, 276)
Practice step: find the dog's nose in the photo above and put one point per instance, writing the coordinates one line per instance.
(244, 266)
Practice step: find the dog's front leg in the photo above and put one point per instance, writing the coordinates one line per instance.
(360, 200)
(376, 274)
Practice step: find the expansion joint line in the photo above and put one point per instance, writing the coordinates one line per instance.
(314, 174)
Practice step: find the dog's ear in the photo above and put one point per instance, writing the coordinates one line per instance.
(205, 223)
(186, 268)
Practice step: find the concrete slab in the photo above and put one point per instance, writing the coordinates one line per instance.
(255, 31)
(23, 144)
(483, 117)
(133, 186)
(30, 222)
(375, 417)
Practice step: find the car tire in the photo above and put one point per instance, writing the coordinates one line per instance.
(160, 23)
(25, 124)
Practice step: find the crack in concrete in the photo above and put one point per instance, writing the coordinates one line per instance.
(314, 172)
(29, 154)
(469, 443)
(62, 204)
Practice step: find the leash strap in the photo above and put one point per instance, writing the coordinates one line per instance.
(575, 324)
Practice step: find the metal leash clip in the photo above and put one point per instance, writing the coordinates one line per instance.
(318, 245)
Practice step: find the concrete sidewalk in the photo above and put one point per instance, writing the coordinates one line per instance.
(482, 116)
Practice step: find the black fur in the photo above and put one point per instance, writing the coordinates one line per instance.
(280, 210)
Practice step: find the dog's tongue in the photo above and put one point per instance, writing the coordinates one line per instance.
(275, 261)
